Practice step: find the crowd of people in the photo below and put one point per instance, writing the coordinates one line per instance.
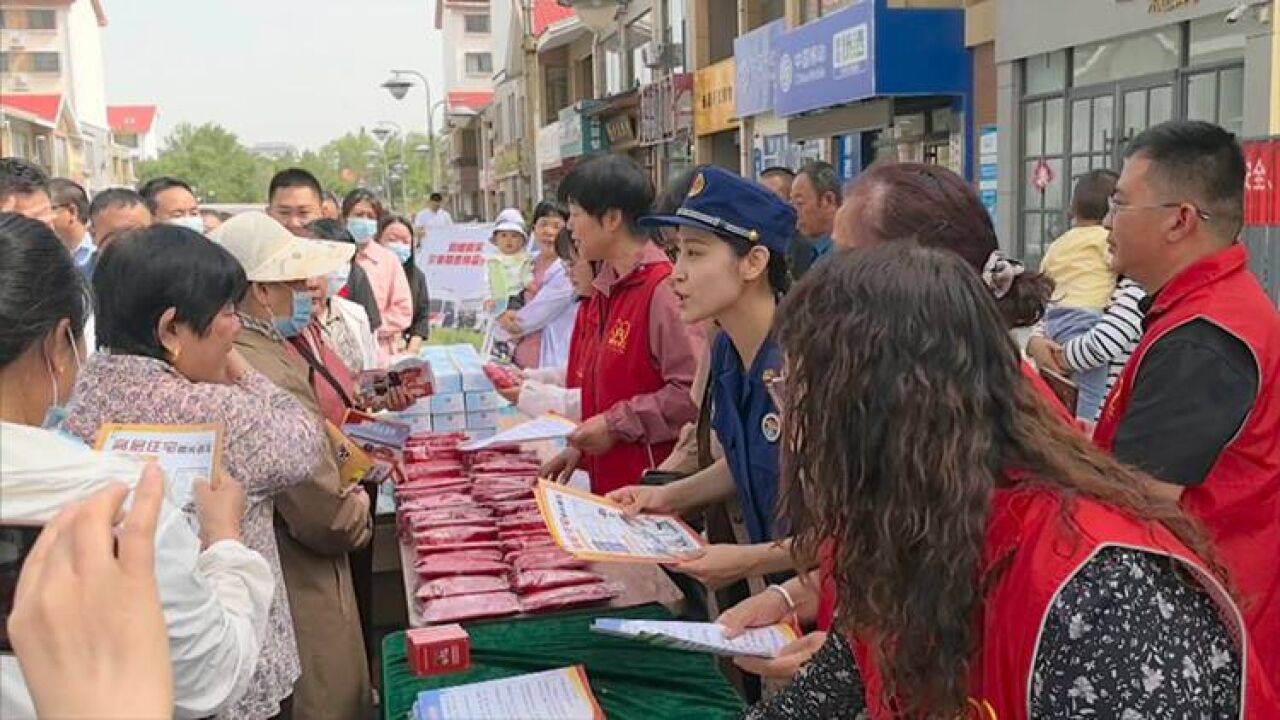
(981, 489)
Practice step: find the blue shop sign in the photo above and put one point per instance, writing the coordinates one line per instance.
(755, 57)
(829, 61)
(871, 50)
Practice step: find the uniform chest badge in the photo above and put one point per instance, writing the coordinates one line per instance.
(771, 427)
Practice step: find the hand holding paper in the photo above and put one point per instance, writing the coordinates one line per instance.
(596, 528)
(762, 642)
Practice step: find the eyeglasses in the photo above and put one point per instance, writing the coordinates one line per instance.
(1116, 206)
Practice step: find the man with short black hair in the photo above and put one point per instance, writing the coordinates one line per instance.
(431, 216)
(114, 212)
(294, 198)
(634, 360)
(71, 219)
(778, 179)
(816, 197)
(172, 201)
(24, 189)
(1198, 405)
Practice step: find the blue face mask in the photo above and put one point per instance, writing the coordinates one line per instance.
(402, 251)
(57, 413)
(338, 279)
(362, 229)
(298, 321)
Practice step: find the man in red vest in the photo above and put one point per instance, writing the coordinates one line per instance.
(636, 373)
(1198, 404)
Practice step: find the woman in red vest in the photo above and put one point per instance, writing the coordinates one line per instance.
(993, 563)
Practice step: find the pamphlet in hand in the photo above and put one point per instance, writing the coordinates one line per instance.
(383, 440)
(186, 453)
(596, 528)
(762, 642)
(544, 427)
(411, 374)
(563, 694)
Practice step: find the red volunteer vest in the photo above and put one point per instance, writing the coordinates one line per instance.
(1239, 501)
(617, 365)
(579, 345)
(826, 561)
(1027, 531)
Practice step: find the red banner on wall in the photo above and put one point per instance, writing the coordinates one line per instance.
(1261, 201)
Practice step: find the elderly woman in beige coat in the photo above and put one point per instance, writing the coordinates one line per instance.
(317, 524)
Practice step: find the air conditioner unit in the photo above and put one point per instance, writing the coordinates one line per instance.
(20, 83)
(652, 54)
(16, 40)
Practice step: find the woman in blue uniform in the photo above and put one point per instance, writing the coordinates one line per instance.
(733, 237)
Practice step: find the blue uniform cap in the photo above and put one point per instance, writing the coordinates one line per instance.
(729, 205)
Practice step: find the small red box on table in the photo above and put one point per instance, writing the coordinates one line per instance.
(437, 650)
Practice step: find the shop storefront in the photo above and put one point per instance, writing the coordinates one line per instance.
(666, 124)
(714, 116)
(580, 134)
(1081, 80)
(862, 84)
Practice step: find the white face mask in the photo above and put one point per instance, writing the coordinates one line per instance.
(57, 412)
(190, 222)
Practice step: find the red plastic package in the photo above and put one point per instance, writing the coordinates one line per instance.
(515, 507)
(429, 502)
(552, 558)
(434, 468)
(462, 512)
(471, 607)
(503, 377)
(527, 581)
(566, 597)
(434, 566)
(503, 496)
(456, 534)
(458, 547)
(478, 555)
(461, 585)
(524, 521)
(524, 535)
(539, 542)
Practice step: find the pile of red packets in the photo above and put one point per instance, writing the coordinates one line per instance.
(503, 377)
(482, 549)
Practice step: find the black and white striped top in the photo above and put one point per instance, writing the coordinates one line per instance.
(1115, 336)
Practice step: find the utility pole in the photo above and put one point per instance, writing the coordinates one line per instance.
(532, 94)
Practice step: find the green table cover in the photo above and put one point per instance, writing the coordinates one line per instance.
(632, 681)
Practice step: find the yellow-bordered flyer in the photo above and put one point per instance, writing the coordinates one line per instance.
(186, 453)
(596, 528)
(564, 693)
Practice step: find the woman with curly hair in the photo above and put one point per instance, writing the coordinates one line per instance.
(991, 559)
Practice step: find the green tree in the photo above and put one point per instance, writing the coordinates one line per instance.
(215, 163)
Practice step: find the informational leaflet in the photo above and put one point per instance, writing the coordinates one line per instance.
(763, 642)
(563, 694)
(186, 453)
(544, 427)
(596, 528)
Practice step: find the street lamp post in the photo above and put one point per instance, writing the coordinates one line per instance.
(399, 87)
(381, 133)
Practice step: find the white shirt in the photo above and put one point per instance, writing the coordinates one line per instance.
(426, 218)
(214, 601)
(553, 311)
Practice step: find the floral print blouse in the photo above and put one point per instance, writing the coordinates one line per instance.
(270, 444)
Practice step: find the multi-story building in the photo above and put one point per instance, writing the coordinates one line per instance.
(53, 107)
(466, 28)
(133, 127)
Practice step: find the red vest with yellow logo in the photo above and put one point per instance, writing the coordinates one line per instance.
(618, 366)
(1239, 501)
(1042, 543)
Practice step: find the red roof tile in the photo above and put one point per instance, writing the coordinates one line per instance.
(44, 107)
(469, 99)
(131, 119)
(548, 12)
